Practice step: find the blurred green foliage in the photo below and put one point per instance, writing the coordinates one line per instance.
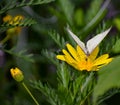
(43, 36)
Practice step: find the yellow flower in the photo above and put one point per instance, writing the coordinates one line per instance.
(80, 61)
(17, 74)
(7, 18)
(13, 21)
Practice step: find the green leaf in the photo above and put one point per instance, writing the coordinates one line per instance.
(23, 23)
(79, 17)
(59, 40)
(12, 4)
(116, 47)
(93, 9)
(117, 23)
(49, 92)
(22, 54)
(95, 21)
(67, 8)
(108, 78)
(63, 76)
(50, 56)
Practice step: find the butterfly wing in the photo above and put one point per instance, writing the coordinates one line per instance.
(77, 40)
(95, 41)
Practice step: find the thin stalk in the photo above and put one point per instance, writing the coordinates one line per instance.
(30, 93)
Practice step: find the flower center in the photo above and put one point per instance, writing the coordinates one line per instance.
(85, 65)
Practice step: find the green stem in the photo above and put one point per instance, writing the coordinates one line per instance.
(5, 39)
(30, 93)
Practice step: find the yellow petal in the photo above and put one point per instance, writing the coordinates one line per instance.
(17, 19)
(64, 58)
(7, 18)
(73, 52)
(94, 54)
(103, 64)
(68, 57)
(102, 60)
(60, 57)
(81, 53)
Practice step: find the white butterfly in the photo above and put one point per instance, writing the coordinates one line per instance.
(91, 43)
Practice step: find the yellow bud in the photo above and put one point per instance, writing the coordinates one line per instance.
(17, 74)
(13, 31)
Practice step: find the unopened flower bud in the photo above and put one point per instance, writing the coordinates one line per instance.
(17, 74)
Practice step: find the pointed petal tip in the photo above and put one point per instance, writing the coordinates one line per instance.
(60, 57)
